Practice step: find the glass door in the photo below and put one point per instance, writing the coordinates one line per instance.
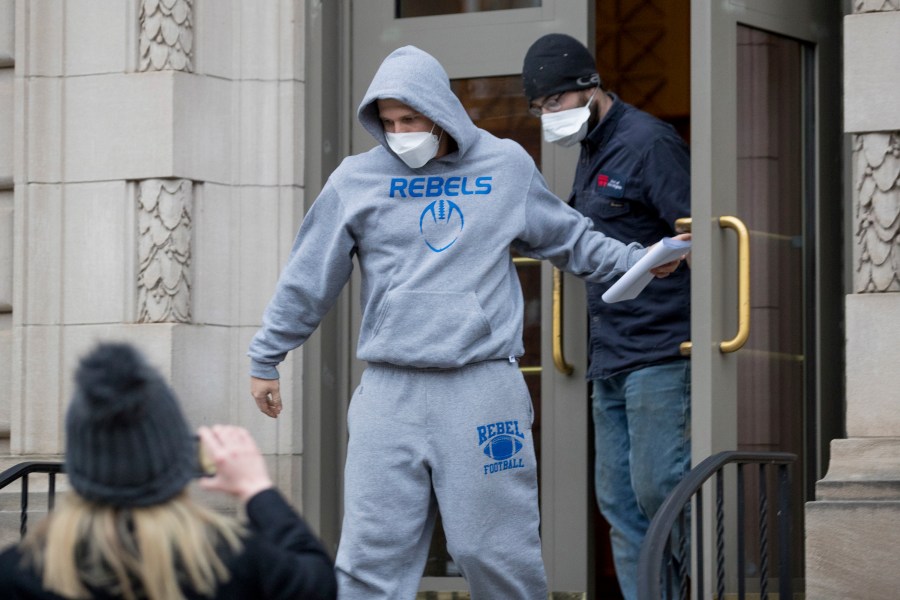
(481, 44)
(763, 300)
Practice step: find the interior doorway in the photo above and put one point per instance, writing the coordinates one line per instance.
(642, 49)
(644, 53)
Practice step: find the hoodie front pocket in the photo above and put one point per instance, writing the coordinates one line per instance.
(438, 329)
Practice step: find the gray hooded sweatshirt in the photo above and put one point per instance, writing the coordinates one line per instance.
(439, 289)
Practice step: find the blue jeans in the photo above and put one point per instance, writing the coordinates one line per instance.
(642, 425)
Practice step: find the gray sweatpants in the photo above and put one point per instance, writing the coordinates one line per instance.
(456, 440)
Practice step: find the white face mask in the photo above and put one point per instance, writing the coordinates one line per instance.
(415, 148)
(567, 127)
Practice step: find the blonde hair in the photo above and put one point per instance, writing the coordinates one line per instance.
(142, 552)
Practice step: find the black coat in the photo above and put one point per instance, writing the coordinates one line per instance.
(281, 558)
(634, 180)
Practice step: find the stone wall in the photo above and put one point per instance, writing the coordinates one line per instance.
(853, 526)
(158, 184)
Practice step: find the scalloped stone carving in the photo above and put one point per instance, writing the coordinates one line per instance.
(167, 35)
(164, 250)
(876, 176)
(863, 6)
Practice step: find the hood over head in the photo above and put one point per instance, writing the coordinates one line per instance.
(417, 79)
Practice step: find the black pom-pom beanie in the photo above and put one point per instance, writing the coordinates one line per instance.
(127, 441)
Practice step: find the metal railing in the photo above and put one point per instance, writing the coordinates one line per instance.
(661, 568)
(22, 471)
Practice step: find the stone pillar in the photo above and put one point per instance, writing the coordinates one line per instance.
(158, 186)
(853, 526)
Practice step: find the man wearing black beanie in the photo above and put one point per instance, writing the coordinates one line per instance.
(633, 181)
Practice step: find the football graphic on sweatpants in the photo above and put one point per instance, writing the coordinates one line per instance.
(502, 446)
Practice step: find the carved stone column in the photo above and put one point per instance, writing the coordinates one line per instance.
(853, 526)
(164, 251)
(165, 205)
(167, 35)
(876, 177)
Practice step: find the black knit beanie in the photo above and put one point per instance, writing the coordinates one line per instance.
(557, 63)
(127, 441)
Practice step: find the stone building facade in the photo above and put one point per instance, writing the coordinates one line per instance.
(151, 179)
(853, 526)
(152, 175)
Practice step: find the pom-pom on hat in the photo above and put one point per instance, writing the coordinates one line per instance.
(557, 63)
(127, 441)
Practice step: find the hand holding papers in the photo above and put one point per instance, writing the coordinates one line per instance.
(637, 277)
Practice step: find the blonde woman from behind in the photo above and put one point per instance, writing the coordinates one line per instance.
(129, 528)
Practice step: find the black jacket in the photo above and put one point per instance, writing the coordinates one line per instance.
(633, 180)
(281, 558)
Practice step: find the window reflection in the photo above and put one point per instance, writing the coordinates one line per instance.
(497, 105)
(427, 8)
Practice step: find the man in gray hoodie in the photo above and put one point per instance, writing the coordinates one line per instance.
(442, 417)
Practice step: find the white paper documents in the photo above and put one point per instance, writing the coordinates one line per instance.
(637, 277)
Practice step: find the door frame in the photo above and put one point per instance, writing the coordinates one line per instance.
(714, 183)
(330, 371)
(324, 387)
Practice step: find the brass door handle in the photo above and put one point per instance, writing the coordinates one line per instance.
(559, 359)
(743, 332)
(736, 225)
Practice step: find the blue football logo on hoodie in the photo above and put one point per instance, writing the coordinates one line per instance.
(440, 224)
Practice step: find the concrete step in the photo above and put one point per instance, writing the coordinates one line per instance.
(851, 549)
(858, 490)
(862, 469)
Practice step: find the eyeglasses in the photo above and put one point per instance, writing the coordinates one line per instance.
(551, 104)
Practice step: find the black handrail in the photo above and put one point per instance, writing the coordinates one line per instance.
(653, 563)
(23, 470)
